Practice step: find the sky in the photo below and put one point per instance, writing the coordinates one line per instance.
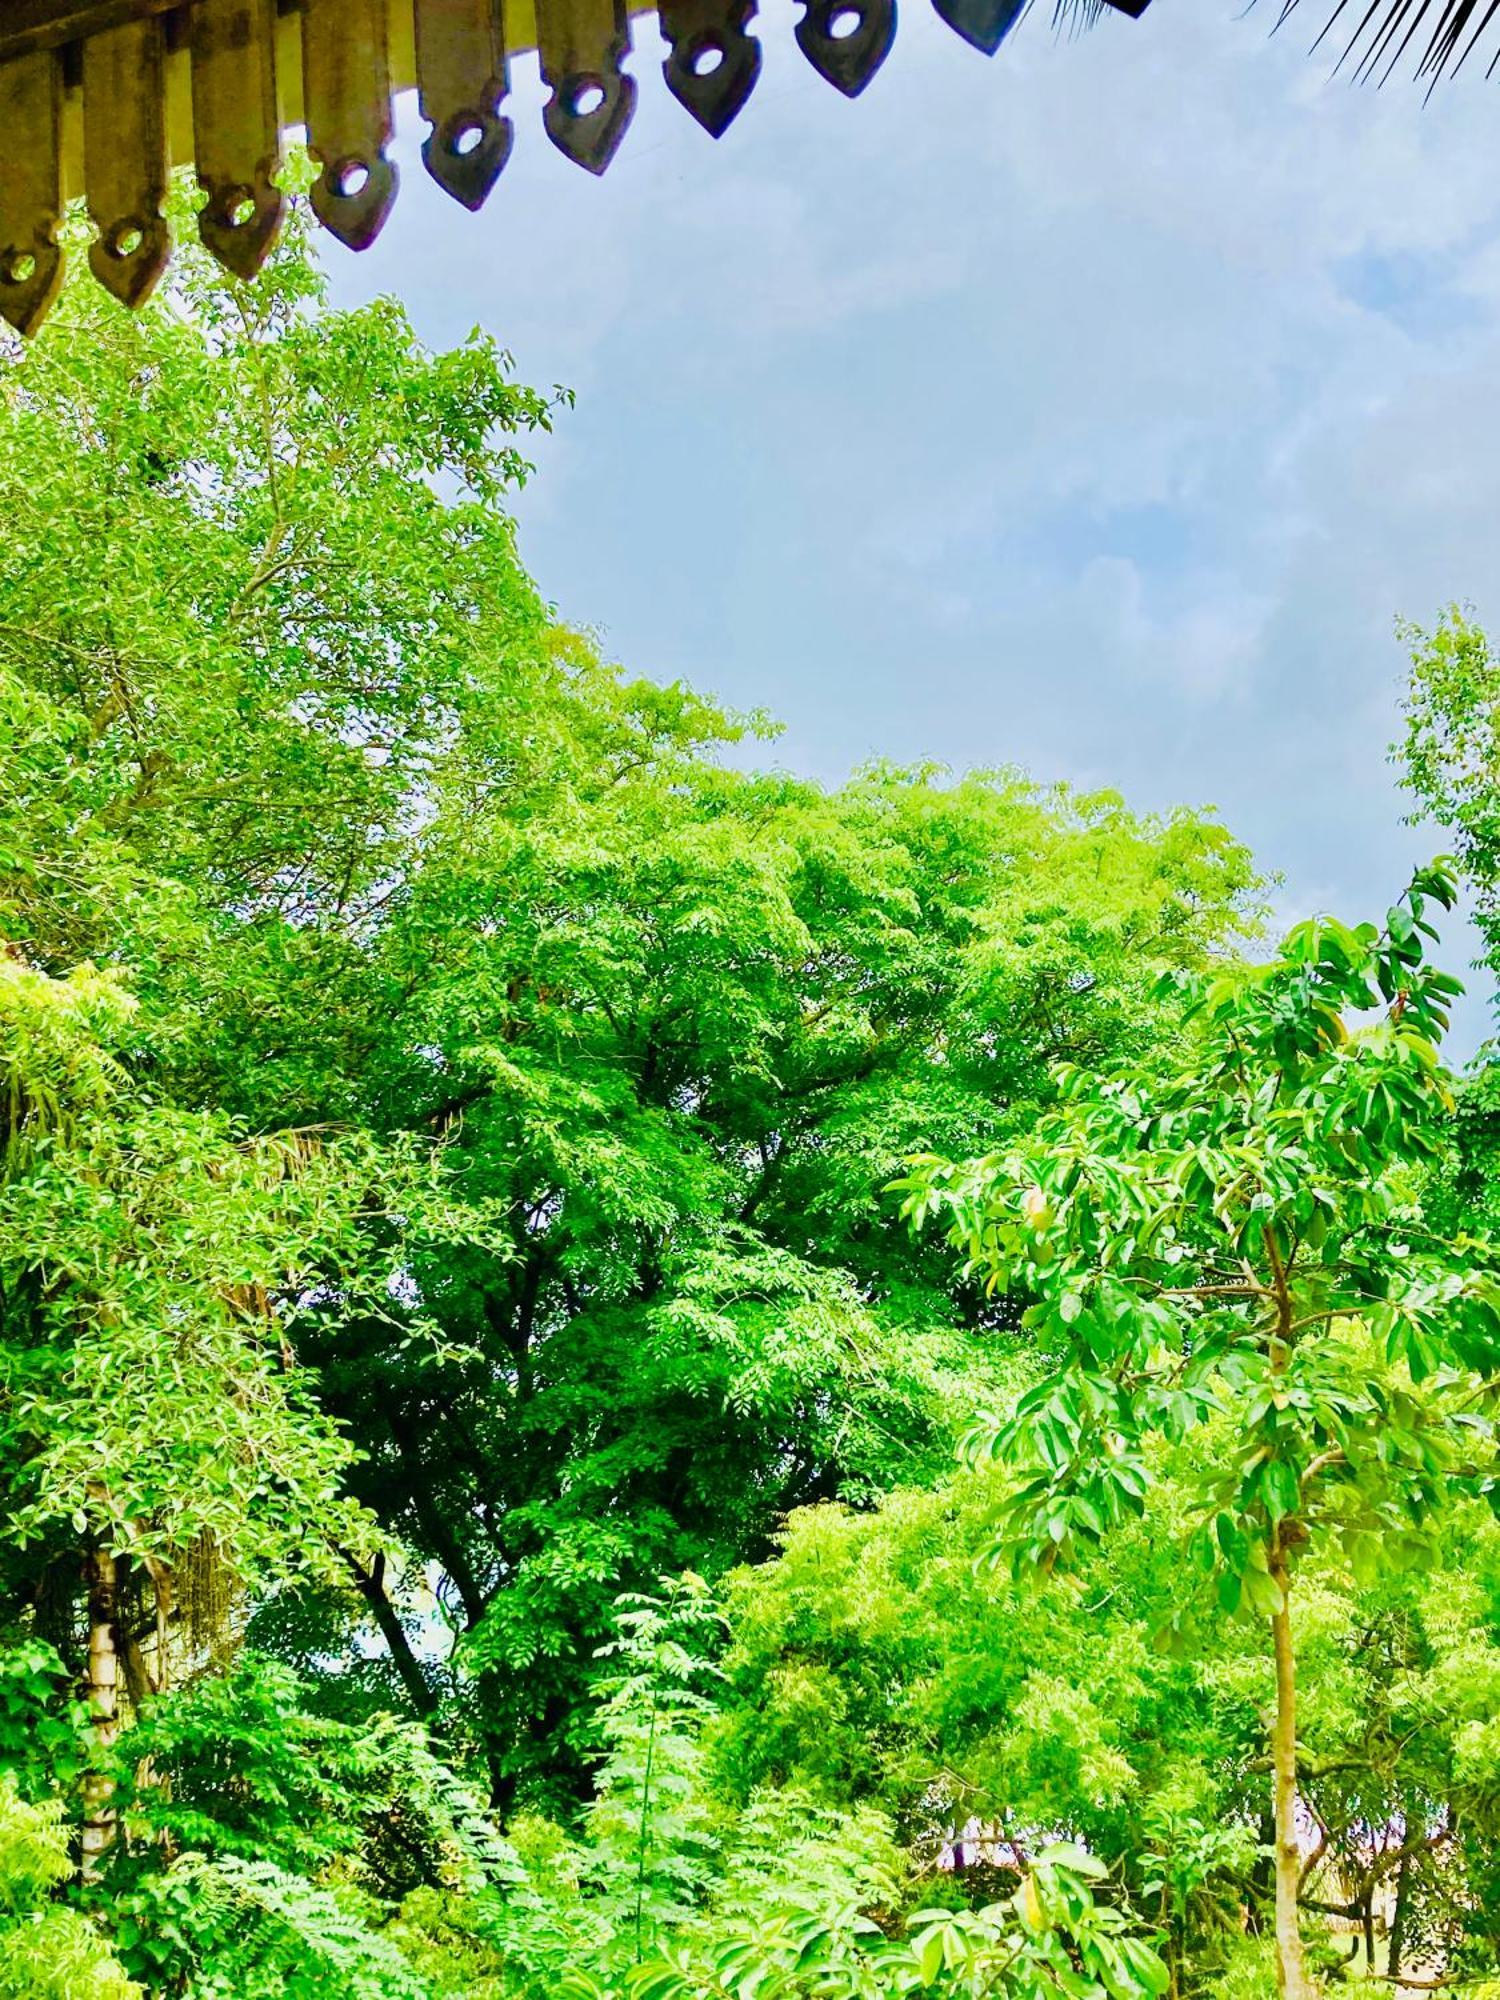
(1097, 408)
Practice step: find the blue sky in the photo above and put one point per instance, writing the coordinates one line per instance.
(1096, 408)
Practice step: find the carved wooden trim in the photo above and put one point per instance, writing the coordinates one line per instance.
(237, 129)
(218, 80)
(31, 189)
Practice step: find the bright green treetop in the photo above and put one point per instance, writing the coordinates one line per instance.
(1239, 1243)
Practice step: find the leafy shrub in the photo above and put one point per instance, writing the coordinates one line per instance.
(46, 1952)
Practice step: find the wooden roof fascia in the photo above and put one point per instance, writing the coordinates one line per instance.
(100, 98)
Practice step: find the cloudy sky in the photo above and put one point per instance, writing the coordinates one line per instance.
(1097, 408)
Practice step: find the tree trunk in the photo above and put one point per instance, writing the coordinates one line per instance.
(1292, 1979)
(371, 1587)
(103, 1691)
(1402, 1911)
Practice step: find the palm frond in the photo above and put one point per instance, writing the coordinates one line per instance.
(1072, 17)
(1373, 38)
(1438, 36)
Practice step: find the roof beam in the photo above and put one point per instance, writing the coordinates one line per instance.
(49, 24)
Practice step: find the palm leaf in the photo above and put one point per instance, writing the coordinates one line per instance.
(1372, 38)
(1377, 36)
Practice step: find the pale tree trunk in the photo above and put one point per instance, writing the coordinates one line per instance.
(104, 1708)
(1292, 1979)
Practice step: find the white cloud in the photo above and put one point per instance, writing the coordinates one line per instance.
(1097, 407)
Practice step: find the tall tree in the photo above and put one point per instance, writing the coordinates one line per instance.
(387, 856)
(157, 1441)
(1237, 1245)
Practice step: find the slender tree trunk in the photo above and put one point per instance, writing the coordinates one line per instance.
(1400, 1915)
(1292, 1980)
(104, 1709)
(445, 1544)
(371, 1587)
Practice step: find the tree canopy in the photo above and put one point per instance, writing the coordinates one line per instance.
(479, 1508)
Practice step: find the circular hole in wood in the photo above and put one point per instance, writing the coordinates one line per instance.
(350, 178)
(125, 239)
(586, 99)
(238, 207)
(465, 138)
(706, 58)
(844, 22)
(18, 267)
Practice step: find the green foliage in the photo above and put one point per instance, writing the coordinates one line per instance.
(1235, 1245)
(501, 1079)
(143, 1392)
(46, 1952)
(269, 1846)
(448, 1101)
(1239, 1244)
(238, 1764)
(672, 1889)
(1450, 762)
(1050, 1939)
(215, 1929)
(879, 1659)
(645, 1821)
(658, 1854)
(43, 1726)
(1450, 753)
